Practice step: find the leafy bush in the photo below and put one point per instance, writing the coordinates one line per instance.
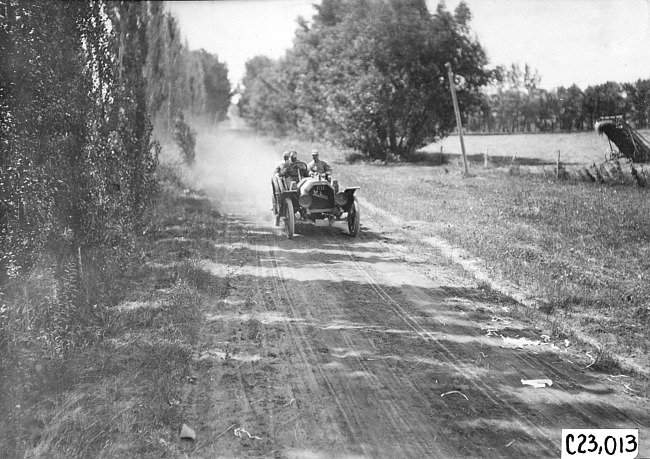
(353, 157)
(185, 138)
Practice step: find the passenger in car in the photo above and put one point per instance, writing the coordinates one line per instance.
(317, 165)
(280, 171)
(282, 165)
(291, 174)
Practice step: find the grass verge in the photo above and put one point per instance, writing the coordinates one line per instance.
(119, 394)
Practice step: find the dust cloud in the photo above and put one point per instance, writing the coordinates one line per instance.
(233, 167)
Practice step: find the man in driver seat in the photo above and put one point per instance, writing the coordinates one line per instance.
(317, 165)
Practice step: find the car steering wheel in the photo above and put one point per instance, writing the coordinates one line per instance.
(296, 168)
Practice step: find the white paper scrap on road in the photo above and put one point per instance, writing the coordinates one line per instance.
(187, 432)
(239, 433)
(520, 342)
(539, 383)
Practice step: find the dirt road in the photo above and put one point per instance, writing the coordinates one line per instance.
(329, 346)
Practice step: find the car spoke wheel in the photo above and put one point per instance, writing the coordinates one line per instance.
(276, 203)
(289, 218)
(353, 218)
(276, 210)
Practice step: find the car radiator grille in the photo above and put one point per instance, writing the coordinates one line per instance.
(322, 197)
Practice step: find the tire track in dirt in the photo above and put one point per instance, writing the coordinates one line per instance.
(241, 389)
(411, 322)
(372, 400)
(394, 412)
(310, 380)
(587, 410)
(398, 412)
(391, 416)
(336, 381)
(408, 319)
(363, 348)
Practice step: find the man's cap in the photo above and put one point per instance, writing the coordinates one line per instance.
(286, 154)
(314, 152)
(294, 153)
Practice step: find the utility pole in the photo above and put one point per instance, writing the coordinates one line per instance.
(457, 111)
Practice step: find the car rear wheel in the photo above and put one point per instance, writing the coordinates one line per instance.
(353, 218)
(276, 202)
(276, 209)
(289, 218)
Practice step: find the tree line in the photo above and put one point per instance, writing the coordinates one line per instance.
(179, 80)
(370, 75)
(513, 102)
(81, 85)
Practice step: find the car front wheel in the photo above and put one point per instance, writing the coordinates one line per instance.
(353, 218)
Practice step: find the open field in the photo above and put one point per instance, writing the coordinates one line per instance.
(531, 149)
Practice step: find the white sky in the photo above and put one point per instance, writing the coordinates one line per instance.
(586, 42)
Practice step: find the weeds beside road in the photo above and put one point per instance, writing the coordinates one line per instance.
(580, 250)
(121, 396)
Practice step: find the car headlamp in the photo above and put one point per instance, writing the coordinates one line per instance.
(304, 200)
(341, 199)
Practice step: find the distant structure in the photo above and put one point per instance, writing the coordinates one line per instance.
(631, 144)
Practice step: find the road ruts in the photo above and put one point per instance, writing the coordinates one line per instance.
(325, 339)
(328, 346)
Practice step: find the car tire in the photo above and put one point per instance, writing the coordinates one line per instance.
(354, 216)
(289, 218)
(276, 201)
(276, 210)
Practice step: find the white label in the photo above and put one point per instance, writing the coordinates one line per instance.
(600, 443)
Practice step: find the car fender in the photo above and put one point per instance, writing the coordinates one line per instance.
(349, 191)
(292, 194)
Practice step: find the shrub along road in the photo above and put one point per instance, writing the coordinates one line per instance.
(331, 346)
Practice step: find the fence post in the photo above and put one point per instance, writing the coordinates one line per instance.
(557, 167)
(512, 162)
(485, 162)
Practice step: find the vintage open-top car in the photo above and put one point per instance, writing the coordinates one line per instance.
(307, 197)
